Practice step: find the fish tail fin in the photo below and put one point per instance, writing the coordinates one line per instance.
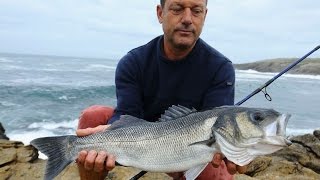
(59, 152)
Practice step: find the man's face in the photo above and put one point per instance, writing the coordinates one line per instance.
(182, 22)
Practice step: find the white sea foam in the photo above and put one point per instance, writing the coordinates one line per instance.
(66, 98)
(5, 60)
(26, 137)
(29, 81)
(12, 67)
(101, 66)
(43, 129)
(294, 132)
(252, 74)
(8, 104)
(54, 125)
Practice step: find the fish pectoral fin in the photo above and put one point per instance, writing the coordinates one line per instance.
(194, 172)
(208, 142)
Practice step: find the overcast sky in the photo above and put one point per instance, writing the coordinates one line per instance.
(243, 30)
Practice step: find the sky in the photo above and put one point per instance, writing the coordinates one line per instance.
(243, 30)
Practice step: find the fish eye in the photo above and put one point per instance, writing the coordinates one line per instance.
(257, 116)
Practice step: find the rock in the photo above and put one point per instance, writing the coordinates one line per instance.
(309, 66)
(301, 160)
(7, 156)
(32, 171)
(71, 172)
(27, 154)
(305, 150)
(19, 162)
(316, 133)
(289, 170)
(258, 165)
(2, 133)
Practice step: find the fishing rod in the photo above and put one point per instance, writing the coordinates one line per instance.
(262, 88)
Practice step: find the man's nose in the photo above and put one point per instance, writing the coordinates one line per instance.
(187, 16)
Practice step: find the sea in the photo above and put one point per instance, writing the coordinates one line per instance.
(44, 95)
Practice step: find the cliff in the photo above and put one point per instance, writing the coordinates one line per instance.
(299, 161)
(309, 66)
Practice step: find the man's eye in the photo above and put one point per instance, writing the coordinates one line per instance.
(197, 11)
(177, 9)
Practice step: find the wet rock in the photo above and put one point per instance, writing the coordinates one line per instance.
(7, 156)
(2, 133)
(258, 165)
(316, 133)
(305, 150)
(27, 154)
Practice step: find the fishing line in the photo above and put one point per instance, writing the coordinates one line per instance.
(263, 88)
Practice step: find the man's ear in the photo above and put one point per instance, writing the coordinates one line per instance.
(159, 13)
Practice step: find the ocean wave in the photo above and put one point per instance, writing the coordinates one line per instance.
(265, 75)
(13, 67)
(7, 104)
(101, 66)
(54, 125)
(5, 60)
(295, 132)
(55, 81)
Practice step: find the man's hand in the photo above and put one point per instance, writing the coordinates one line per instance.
(88, 131)
(232, 168)
(92, 164)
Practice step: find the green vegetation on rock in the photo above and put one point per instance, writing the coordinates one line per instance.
(309, 66)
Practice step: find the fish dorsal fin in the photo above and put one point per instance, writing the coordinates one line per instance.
(175, 112)
(126, 121)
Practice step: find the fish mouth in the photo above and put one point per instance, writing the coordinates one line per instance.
(276, 132)
(282, 123)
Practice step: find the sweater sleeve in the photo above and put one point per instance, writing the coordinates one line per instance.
(128, 89)
(221, 90)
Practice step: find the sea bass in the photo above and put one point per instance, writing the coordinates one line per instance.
(182, 140)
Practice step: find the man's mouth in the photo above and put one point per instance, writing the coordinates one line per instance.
(184, 32)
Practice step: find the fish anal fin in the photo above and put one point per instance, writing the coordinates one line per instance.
(194, 172)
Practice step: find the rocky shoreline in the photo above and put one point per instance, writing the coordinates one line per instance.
(310, 66)
(299, 161)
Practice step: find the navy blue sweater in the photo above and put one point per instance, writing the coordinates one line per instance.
(147, 83)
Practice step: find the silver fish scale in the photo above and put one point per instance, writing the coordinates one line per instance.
(162, 147)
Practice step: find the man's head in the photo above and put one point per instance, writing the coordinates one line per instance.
(162, 2)
(182, 22)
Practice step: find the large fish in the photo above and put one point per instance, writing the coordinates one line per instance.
(183, 140)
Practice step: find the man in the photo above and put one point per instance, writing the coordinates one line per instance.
(176, 68)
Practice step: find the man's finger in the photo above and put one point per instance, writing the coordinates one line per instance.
(241, 169)
(217, 159)
(84, 132)
(111, 162)
(232, 168)
(90, 159)
(99, 162)
(88, 131)
(82, 157)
